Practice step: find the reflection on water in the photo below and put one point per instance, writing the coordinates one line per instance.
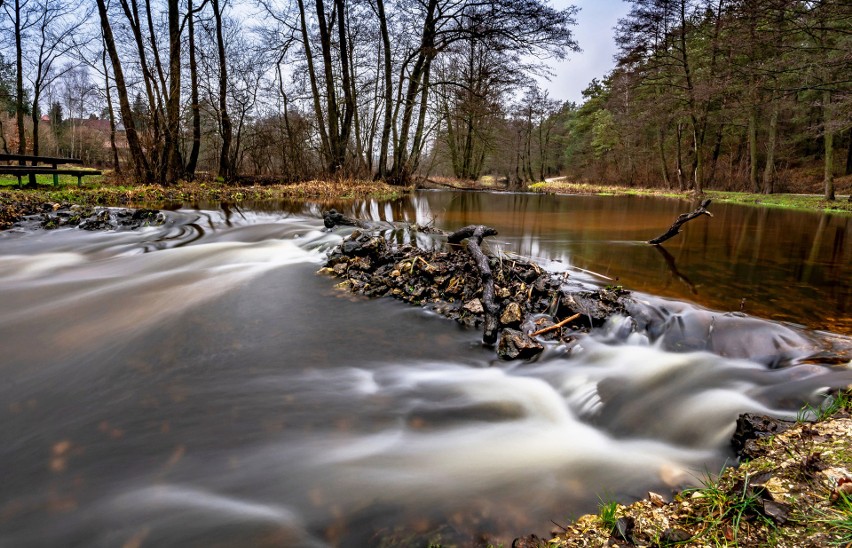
(198, 384)
(785, 265)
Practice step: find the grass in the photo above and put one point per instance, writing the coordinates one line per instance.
(11, 181)
(97, 192)
(830, 406)
(729, 513)
(840, 524)
(812, 202)
(608, 513)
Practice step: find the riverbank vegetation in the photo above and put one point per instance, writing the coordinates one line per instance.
(793, 489)
(743, 95)
(784, 200)
(726, 95)
(15, 203)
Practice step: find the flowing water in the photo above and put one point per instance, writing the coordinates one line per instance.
(197, 384)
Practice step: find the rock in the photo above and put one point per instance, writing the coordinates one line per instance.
(511, 315)
(531, 541)
(474, 306)
(777, 511)
(751, 428)
(656, 499)
(624, 527)
(515, 344)
(671, 536)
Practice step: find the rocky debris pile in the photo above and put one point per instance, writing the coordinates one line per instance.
(529, 301)
(793, 489)
(52, 216)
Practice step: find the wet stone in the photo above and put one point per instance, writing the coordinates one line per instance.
(511, 315)
(474, 306)
(516, 344)
(751, 428)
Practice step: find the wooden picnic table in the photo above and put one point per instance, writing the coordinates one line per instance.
(22, 168)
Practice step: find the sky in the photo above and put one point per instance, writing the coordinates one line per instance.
(594, 33)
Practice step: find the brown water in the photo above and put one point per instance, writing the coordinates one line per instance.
(785, 265)
(198, 384)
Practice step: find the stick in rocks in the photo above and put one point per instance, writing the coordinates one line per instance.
(674, 230)
(474, 235)
(555, 326)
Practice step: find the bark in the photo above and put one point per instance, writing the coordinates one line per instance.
(474, 235)
(348, 113)
(771, 144)
(225, 168)
(828, 141)
(19, 83)
(113, 148)
(388, 91)
(174, 164)
(681, 185)
(663, 163)
(752, 150)
(401, 169)
(194, 106)
(849, 154)
(419, 132)
(141, 168)
(131, 11)
(312, 76)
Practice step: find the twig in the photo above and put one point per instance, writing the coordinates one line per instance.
(555, 326)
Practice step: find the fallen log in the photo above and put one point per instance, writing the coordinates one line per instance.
(683, 218)
(474, 235)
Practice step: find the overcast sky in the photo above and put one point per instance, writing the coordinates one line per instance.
(594, 33)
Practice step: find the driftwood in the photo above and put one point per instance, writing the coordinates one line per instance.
(683, 218)
(474, 235)
(555, 326)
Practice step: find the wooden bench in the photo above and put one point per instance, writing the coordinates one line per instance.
(35, 169)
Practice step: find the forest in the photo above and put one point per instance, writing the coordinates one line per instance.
(730, 94)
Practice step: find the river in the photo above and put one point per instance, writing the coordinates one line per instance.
(198, 384)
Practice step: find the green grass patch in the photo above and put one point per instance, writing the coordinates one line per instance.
(810, 202)
(11, 181)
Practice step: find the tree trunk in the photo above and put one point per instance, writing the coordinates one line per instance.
(174, 164)
(225, 168)
(348, 113)
(401, 169)
(752, 150)
(312, 76)
(141, 168)
(849, 154)
(771, 143)
(195, 106)
(19, 83)
(828, 180)
(663, 163)
(388, 81)
(681, 184)
(115, 165)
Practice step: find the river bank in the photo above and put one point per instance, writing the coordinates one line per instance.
(16, 203)
(793, 489)
(808, 202)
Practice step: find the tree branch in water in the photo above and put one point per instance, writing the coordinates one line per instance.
(683, 218)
